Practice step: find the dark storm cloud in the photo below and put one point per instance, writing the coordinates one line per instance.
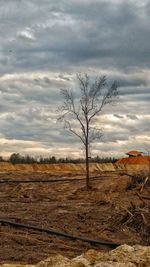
(56, 34)
(111, 32)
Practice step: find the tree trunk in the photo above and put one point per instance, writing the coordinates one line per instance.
(87, 166)
(87, 152)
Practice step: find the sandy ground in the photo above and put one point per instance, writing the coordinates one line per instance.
(66, 206)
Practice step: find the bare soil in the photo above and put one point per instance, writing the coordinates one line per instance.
(106, 212)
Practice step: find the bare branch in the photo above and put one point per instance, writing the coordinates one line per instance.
(108, 98)
(97, 111)
(68, 126)
(61, 117)
(97, 87)
(95, 133)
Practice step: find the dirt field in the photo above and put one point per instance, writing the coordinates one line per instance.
(114, 209)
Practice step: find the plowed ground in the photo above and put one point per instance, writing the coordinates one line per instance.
(66, 206)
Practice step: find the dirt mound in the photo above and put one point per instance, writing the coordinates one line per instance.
(123, 256)
(5, 166)
(128, 164)
(134, 164)
(134, 153)
(139, 160)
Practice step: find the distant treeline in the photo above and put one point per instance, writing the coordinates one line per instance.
(17, 158)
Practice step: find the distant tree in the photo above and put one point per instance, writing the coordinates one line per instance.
(78, 114)
(53, 159)
(15, 158)
(28, 159)
(1, 159)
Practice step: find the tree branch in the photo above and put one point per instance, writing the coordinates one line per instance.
(68, 126)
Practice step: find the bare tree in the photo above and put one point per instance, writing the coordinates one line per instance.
(78, 113)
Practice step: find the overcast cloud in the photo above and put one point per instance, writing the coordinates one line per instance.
(43, 44)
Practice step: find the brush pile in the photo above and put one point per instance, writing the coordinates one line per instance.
(136, 216)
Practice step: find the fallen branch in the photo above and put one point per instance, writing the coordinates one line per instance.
(143, 184)
(146, 197)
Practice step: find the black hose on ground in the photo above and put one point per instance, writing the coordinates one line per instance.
(54, 232)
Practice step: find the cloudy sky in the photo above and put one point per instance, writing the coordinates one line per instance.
(43, 44)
